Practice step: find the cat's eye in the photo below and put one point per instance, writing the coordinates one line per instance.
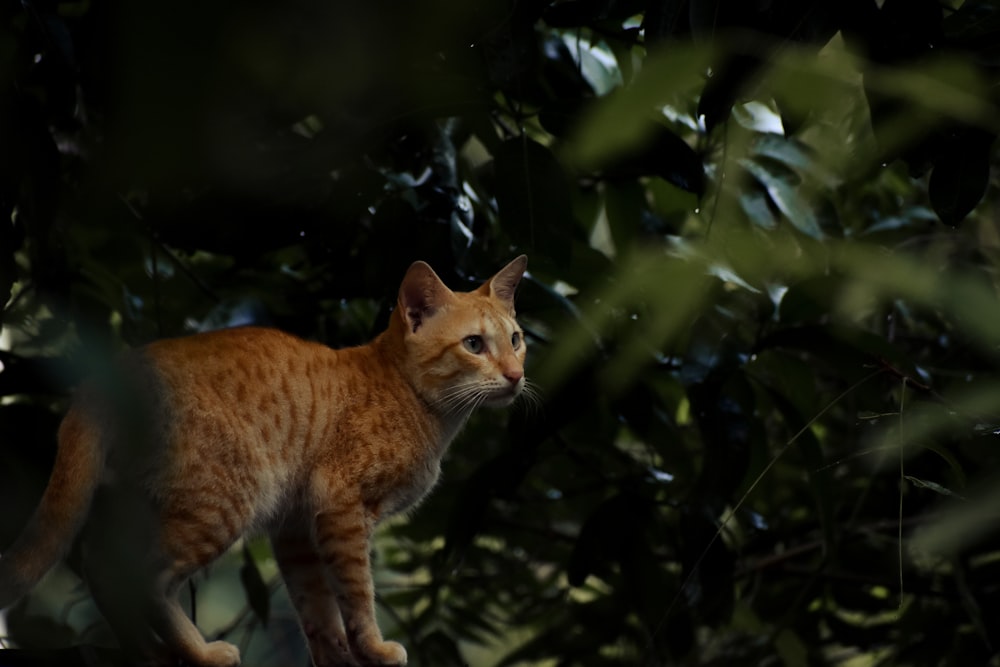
(515, 340)
(473, 344)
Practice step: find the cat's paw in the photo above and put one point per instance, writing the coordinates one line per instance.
(382, 654)
(219, 654)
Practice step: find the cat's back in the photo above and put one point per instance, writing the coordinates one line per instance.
(234, 366)
(257, 379)
(211, 393)
(216, 351)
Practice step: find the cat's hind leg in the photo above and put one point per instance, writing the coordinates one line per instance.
(179, 635)
(119, 596)
(118, 530)
(315, 601)
(190, 541)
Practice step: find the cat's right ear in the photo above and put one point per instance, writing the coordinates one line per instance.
(503, 285)
(421, 294)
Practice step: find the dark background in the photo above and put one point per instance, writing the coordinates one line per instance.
(762, 303)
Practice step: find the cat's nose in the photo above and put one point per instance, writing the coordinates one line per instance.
(513, 375)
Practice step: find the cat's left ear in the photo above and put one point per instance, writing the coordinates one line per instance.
(421, 294)
(503, 285)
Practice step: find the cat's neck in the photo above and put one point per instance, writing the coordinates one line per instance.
(390, 345)
(390, 349)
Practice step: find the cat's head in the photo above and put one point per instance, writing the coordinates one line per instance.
(462, 349)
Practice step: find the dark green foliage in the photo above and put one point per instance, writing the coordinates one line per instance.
(767, 371)
(258, 595)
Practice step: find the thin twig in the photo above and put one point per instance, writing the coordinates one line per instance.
(722, 179)
(791, 553)
(181, 266)
(902, 486)
(746, 495)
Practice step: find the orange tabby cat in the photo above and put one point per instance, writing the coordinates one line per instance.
(243, 429)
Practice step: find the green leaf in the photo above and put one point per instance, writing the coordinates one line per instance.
(961, 175)
(791, 649)
(796, 156)
(533, 195)
(618, 123)
(471, 625)
(933, 486)
(257, 591)
(757, 207)
(8, 268)
(810, 300)
(624, 205)
(663, 153)
(969, 602)
(731, 73)
(787, 196)
(949, 458)
(960, 525)
(437, 648)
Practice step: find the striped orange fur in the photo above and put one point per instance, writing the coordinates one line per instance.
(201, 439)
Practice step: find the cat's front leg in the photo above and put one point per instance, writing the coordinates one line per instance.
(307, 582)
(343, 538)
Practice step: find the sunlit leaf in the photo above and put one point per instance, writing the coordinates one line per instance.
(757, 207)
(932, 486)
(618, 123)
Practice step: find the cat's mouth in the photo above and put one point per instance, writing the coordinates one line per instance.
(503, 397)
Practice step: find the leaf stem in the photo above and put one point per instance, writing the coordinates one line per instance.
(902, 485)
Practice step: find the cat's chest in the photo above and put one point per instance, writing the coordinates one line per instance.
(409, 489)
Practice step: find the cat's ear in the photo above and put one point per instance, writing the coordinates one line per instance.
(503, 285)
(421, 294)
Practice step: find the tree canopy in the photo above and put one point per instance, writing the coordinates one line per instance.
(762, 303)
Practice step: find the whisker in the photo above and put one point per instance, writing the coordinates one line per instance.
(461, 397)
(468, 402)
(467, 395)
(454, 398)
(531, 397)
(454, 390)
(458, 389)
